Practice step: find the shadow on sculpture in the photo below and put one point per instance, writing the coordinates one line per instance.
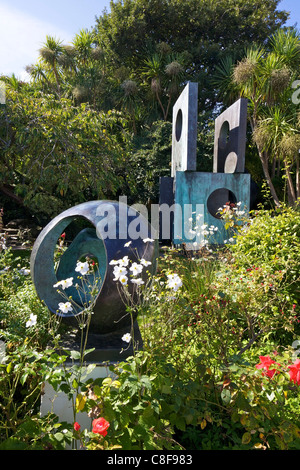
(104, 240)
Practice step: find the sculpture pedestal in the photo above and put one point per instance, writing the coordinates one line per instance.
(59, 403)
(107, 350)
(107, 347)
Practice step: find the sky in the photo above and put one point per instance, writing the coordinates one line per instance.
(24, 25)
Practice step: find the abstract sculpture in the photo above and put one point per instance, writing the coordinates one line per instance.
(104, 240)
(203, 192)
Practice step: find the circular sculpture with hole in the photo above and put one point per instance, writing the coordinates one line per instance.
(113, 231)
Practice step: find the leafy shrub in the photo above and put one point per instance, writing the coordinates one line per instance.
(195, 385)
(272, 242)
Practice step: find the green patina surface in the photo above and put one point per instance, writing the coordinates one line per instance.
(195, 188)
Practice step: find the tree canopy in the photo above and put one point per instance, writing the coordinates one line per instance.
(203, 31)
(94, 121)
(265, 76)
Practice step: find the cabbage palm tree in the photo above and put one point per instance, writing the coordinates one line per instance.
(277, 135)
(165, 74)
(50, 54)
(264, 76)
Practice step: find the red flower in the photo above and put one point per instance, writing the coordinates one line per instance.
(295, 372)
(265, 363)
(100, 426)
(76, 426)
(63, 235)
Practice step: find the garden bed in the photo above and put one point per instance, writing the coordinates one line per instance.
(219, 368)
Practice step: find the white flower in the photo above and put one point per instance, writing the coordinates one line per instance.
(64, 283)
(126, 337)
(199, 216)
(119, 271)
(174, 281)
(82, 268)
(123, 280)
(113, 261)
(65, 307)
(145, 240)
(238, 203)
(24, 271)
(137, 281)
(171, 276)
(31, 321)
(231, 240)
(128, 244)
(124, 261)
(203, 227)
(145, 263)
(136, 268)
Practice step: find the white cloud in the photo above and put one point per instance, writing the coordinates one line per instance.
(21, 37)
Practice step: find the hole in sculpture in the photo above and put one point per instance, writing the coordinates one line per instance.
(224, 135)
(219, 198)
(178, 125)
(82, 244)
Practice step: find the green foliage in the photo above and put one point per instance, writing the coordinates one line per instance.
(62, 154)
(150, 160)
(133, 31)
(18, 301)
(266, 76)
(194, 385)
(271, 242)
(68, 135)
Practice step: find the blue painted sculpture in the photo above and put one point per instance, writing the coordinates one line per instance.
(204, 192)
(104, 241)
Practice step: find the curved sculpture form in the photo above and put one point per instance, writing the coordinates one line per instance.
(104, 241)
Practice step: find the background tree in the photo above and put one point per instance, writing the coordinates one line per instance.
(54, 155)
(93, 121)
(202, 29)
(265, 76)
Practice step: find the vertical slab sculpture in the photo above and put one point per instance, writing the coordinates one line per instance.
(230, 139)
(184, 131)
(207, 192)
(184, 151)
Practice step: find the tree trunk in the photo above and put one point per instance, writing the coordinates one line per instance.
(290, 186)
(8, 191)
(273, 167)
(297, 178)
(265, 166)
